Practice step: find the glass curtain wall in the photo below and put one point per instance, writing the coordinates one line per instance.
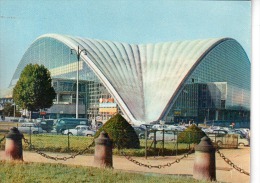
(218, 90)
(57, 57)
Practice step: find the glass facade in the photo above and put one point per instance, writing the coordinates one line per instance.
(57, 57)
(217, 90)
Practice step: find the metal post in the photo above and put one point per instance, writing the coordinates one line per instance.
(163, 144)
(30, 134)
(14, 110)
(77, 92)
(177, 143)
(78, 52)
(68, 139)
(154, 140)
(189, 139)
(146, 143)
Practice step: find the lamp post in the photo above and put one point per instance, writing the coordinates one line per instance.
(14, 110)
(78, 52)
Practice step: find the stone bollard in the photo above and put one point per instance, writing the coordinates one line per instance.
(204, 164)
(103, 151)
(13, 146)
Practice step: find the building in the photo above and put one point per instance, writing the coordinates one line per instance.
(197, 80)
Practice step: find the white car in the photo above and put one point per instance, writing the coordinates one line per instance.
(177, 128)
(80, 130)
(30, 128)
(242, 141)
(168, 136)
(160, 127)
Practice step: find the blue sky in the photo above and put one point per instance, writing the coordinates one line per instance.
(131, 21)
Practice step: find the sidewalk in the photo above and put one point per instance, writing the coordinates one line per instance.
(224, 172)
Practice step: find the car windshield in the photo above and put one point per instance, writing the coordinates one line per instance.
(28, 125)
(61, 122)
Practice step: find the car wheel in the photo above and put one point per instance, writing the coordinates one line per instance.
(241, 144)
(219, 143)
(89, 135)
(70, 133)
(142, 136)
(35, 132)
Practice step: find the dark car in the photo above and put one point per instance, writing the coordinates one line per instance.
(146, 126)
(220, 132)
(140, 132)
(68, 123)
(47, 125)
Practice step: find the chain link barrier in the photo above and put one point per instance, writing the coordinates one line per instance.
(157, 166)
(57, 158)
(228, 161)
(2, 139)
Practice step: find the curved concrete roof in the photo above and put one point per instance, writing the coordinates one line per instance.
(142, 78)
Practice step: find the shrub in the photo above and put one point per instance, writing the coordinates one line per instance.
(192, 134)
(120, 132)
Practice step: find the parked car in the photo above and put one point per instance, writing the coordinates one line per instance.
(80, 130)
(229, 140)
(98, 125)
(30, 128)
(14, 120)
(239, 131)
(140, 132)
(177, 128)
(47, 124)
(168, 136)
(220, 132)
(207, 130)
(243, 141)
(146, 126)
(160, 127)
(69, 123)
(21, 120)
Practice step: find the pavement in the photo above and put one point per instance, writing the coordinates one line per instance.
(224, 172)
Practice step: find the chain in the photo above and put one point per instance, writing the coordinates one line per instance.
(228, 161)
(2, 139)
(57, 158)
(157, 166)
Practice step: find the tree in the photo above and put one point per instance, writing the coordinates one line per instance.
(192, 134)
(120, 132)
(8, 109)
(34, 91)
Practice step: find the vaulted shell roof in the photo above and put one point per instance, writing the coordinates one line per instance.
(142, 78)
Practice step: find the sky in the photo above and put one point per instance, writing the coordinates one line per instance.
(130, 21)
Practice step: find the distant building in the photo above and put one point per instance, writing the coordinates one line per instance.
(3, 101)
(199, 80)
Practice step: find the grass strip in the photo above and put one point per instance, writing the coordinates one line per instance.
(24, 172)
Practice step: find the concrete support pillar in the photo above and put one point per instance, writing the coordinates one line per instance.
(205, 163)
(103, 151)
(13, 146)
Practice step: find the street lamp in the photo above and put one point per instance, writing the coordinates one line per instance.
(78, 52)
(14, 109)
